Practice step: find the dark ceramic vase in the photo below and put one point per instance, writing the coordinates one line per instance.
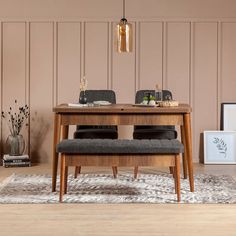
(83, 99)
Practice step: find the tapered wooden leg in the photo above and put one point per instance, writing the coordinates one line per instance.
(188, 137)
(171, 168)
(62, 177)
(65, 132)
(135, 172)
(115, 171)
(177, 176)
(77, 171)
(55, 155)
(66, 179)
(184, 155)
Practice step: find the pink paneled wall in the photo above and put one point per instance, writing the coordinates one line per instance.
(186, 46)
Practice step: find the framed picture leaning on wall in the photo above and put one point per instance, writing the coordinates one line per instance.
(219, 147)
(228, 117)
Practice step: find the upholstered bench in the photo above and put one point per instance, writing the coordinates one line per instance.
(108, 152)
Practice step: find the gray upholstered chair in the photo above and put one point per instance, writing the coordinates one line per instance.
(157, 131)
(153, 132)
(97, 131)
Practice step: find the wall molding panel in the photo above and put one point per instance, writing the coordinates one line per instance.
(194, 58)
(1, 91)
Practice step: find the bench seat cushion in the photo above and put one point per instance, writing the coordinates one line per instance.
(119, 146)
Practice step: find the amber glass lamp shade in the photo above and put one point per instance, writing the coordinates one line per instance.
(124, 36)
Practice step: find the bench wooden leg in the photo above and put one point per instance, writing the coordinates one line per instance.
(77, 171)
(177, 175)
(62, 177)
(115, 171)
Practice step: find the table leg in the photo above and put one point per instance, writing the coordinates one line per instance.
(56, 140)
(188, 137)
(62, 177)
(185, 153)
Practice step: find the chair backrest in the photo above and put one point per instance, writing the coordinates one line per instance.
(100, 95)
(166, 95)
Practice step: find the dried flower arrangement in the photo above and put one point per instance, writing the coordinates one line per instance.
(83, 84)
(16, 118)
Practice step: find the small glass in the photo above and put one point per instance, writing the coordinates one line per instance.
(158, 94)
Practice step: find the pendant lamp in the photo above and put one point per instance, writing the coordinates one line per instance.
(124, 34)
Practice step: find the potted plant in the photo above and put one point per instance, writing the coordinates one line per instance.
(15, 119)
(152, 100)
(149, 100)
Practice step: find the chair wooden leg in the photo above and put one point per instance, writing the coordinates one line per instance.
(175, 178)
(171, 170)
(77, 171)
(185, 167)
(115, 171)
(62, 177)
(135, 172)
(66, 180)
(177, 171)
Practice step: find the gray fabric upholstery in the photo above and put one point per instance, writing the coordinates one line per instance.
(150, 133)
(100, 95)
(157, 131)
(141, 93)
(98, 131)
(119, 146)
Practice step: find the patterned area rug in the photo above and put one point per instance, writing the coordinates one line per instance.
(101, 188)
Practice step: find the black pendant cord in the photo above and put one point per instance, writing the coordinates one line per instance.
(123, 9)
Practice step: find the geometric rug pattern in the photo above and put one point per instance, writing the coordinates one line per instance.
(103, 188)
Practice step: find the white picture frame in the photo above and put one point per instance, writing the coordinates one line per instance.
(228, 116)
(219, 147)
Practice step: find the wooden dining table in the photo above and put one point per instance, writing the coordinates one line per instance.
(124, 114)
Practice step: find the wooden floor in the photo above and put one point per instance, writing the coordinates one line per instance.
(117, 219)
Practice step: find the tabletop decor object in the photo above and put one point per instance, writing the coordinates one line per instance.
(16, 118)
(83, 87)
(158, 94)
(169, 103)
(149, 99)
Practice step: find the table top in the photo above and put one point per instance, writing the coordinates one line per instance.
(122, 108)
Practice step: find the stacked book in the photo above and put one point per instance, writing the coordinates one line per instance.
(16, 161)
